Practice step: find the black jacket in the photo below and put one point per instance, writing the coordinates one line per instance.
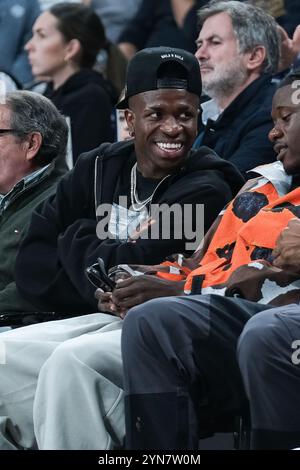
(88, 100)
(240, 134)
(62, 241)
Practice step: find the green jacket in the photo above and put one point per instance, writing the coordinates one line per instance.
(15, 214)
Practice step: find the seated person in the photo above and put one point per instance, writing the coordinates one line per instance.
(33, 137)
(64, 46)
(73, 228)
(161, 111)
(60, 356)
(186, 369)
(238, 51)
(233, 239)
(271, 341)
(268, 355)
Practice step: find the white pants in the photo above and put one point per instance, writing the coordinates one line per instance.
(61, 385)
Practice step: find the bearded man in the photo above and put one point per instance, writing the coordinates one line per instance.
(238, 51)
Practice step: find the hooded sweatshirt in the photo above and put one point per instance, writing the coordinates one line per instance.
(62, 241)
(87, 99)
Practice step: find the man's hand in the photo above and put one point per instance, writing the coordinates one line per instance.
(287, 250)
(290, 48)
(135, 291)
(105, 303)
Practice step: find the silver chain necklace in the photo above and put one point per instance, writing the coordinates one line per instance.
(136, 203)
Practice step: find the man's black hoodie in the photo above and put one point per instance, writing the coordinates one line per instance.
(62, 241)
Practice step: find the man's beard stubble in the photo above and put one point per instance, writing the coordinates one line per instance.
(223, 81)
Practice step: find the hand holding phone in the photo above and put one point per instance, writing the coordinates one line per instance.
(98, 277)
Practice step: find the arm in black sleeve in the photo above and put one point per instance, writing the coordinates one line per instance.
(190, 27)
(62, 242)
(39, 273)
(141, 25)
(79, 246)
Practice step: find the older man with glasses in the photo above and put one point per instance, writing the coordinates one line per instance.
(33, 137)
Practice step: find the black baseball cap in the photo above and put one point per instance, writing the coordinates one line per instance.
(161, 67)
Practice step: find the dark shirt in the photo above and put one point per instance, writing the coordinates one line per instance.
(240, 134)
(145, 186)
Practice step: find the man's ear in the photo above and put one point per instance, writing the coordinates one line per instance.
(33, 144)
(256, 58)
(130, 119)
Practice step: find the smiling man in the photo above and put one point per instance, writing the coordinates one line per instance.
(157, 167)
(191, 359)
(33, 139)
(238, 52)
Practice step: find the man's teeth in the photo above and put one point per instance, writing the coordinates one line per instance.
(169, 146)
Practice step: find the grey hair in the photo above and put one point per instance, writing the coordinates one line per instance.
(252, 27)
(32, 112)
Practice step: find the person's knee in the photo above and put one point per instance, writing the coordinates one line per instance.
(137, 320)
(147, 320)
(61, 359)
(258, 340)
(154, 312)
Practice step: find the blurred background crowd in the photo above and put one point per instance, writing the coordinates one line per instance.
(78, 58)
